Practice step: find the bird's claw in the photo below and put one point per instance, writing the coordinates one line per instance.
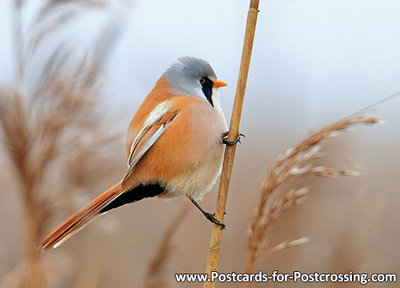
(231, 143)
(211, 218)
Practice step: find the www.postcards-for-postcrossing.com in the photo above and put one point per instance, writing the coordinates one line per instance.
(295, 276)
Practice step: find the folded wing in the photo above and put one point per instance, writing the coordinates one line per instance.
(153, 128)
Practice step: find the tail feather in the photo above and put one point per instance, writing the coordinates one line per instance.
(80, 219)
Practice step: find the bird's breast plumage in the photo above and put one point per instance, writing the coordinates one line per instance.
(187, 158)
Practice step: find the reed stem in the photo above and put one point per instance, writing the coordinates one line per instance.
(215, 242)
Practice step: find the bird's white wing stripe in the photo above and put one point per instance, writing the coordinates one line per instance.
(144, 149)
(155, 115)
(140, 145)
(134, 143)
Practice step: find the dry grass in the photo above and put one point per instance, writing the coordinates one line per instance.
(294, 163)
(49, 127)
(157, 269)
(56, 143)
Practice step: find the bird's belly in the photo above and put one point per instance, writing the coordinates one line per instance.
(197, 182)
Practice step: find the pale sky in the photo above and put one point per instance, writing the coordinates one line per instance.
(320, 59)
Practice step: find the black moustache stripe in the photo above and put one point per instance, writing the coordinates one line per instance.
(207, 89)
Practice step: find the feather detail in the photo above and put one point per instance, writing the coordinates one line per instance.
(80, 219)
(148, 136)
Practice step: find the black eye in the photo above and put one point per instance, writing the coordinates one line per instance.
(202, 81)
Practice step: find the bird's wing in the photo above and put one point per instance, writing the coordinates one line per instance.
(153, 128)
(155, 125)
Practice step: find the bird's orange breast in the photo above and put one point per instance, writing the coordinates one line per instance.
(191, 140)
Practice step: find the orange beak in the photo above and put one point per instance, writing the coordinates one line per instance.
(219, 83)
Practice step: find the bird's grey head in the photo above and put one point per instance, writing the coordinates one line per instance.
(193, 77)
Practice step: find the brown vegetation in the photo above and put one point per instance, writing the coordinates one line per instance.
(294, 163)
(158, 267)
(60, 146)
(49, 126)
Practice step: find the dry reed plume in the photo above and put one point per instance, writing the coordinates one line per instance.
(49, 124)
(294, 163)
(155, 277)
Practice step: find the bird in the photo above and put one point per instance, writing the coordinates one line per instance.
(175, 146)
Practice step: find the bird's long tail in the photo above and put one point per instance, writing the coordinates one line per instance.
(80, 219)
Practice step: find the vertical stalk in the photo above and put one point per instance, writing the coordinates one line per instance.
(215, 242)
(33, 273)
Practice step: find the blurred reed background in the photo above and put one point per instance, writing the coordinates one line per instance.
(74, 72)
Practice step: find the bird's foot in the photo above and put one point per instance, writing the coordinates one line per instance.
(231, 143)
(211, 218)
